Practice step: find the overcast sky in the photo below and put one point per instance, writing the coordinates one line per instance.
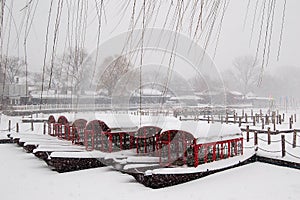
(233, 42)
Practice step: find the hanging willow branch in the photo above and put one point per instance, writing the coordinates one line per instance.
(55, 38)
(45, 52)
(246, 15)
(281, 30)
(99, 15)
(202, 19)
(220, 26)
(27, 30)
(253, 22)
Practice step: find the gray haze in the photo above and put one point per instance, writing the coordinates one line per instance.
(233, 41)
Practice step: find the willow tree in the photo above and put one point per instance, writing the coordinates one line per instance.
(111, 71)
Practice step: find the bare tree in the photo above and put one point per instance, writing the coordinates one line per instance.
(74, 70)
(111, 70)
(2, 82)
(246, 72)
(12, 67)
(58, 80)
(1, 75)
(200, 83)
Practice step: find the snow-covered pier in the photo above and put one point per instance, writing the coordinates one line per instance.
(160, 154)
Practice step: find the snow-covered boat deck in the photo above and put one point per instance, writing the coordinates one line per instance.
(23, 176)
(216, 165)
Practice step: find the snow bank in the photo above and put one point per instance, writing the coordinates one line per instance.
(25, 177)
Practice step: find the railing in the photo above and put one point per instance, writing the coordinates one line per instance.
(58, 106)
(82, 106)
(285, 145)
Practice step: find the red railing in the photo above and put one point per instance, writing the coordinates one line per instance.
(213, 151)
(108, 141)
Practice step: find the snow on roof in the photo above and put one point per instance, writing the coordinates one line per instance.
(148, 92)
(186, 97)
(126, 120)
(252, 96)
(204, 131)
(71, 117)
(199, 129)
(218, 91)
(208, 93)
(235, 93)
(260, 98)
(118, 120)
(113, 120)
(151, 91)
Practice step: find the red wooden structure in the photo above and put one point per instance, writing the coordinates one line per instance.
(77, 131)
(208, 152)
(207, 144)
(146, 139)
(98, 136)
(51, 122)
(173, 145)
(62, 128)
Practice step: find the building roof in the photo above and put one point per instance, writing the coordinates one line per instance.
(205, 132)
(147, 92)
(186, 97)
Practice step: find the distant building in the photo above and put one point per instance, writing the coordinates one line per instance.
(258, 101)
(13, 93)
(149, 96)
(187, 100)
(221, 96)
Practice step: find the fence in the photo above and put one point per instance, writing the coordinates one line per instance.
(284, 143)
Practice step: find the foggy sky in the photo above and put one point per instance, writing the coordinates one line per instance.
(233, 42)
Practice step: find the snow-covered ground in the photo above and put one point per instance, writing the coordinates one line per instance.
(23, 176)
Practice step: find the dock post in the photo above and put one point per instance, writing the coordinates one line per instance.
(9, 125)
(247, 133)
(283, 145)
(32, 126)
(17, 127)
(44, 128)
(294, 138)
(279, 119)
(260, 113)
(269, 136)
(255, 138)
